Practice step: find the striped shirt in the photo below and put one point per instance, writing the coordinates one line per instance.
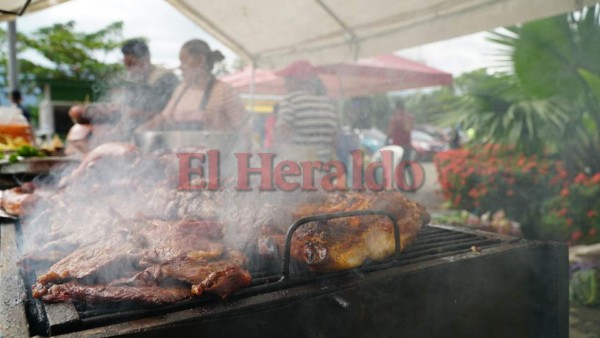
(312, 120)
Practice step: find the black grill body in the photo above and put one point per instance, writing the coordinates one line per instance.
(451, 282)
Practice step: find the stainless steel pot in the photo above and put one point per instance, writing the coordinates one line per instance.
(152, 140)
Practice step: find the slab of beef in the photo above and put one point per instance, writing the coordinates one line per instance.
(224, 282)
(192, 269)
(108, 258)
(346, 243)
(222, 276)
(130, 249)
(169, 240)
(105, 293)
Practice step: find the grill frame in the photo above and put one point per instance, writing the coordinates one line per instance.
(426, 263)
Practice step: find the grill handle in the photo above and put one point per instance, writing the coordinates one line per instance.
(285, 268)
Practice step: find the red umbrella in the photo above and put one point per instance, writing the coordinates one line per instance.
(369, 76)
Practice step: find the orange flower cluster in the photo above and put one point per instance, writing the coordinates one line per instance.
(535, 191)
(489, 176)
(577, 206)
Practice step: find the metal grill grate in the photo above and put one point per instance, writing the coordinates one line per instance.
(431, 243)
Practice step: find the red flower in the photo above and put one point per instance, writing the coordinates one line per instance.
(569, 222)
(596, 179)
(580, 178)
(592, 232)
(562, 212)
(575, 236)
(564, 192)
(457, 201)
(592, 214)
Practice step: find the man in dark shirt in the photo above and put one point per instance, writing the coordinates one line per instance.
(143, 94)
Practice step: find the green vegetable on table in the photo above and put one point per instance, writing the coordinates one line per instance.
(584, 287)
(28, 151)
(13, 158)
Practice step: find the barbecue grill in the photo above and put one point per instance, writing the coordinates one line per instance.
(452, 282)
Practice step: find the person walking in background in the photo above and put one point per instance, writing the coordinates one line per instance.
(307, 122)
(270, 128)
(15, 99)
(455, 137)
(400, 128)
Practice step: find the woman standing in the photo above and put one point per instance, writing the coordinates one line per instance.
(200, 102)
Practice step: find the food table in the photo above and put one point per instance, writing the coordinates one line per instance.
(11, 174)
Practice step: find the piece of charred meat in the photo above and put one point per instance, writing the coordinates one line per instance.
(189, 269)
(223, 283)
(106, 293)
(142, 256)
(135, 246)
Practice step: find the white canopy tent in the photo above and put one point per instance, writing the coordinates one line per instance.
(272, 33)
(16, 6)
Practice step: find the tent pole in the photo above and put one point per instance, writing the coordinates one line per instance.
(255, 140)
(13, 69)
(252, 85)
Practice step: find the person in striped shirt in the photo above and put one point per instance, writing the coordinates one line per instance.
(307, 121)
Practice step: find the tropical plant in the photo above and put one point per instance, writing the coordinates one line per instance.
(502, 113)
(556, 59)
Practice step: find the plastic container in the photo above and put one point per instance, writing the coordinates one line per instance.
(14, 127)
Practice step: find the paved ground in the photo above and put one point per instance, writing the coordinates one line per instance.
(584, 322)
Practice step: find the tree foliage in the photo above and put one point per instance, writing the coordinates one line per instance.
(61, 52)
(556, 60)
(549, 101)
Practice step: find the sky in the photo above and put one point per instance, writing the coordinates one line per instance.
(167, 30)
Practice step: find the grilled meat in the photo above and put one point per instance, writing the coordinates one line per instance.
(224, 282)
(144, 255)
(186, 269)
(18, 200)
(140, 244)
(106, 293)
(106, 259)
(346, 243)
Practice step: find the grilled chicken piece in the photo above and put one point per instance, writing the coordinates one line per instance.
(346, 243)
(103, 293)
(223, 283)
